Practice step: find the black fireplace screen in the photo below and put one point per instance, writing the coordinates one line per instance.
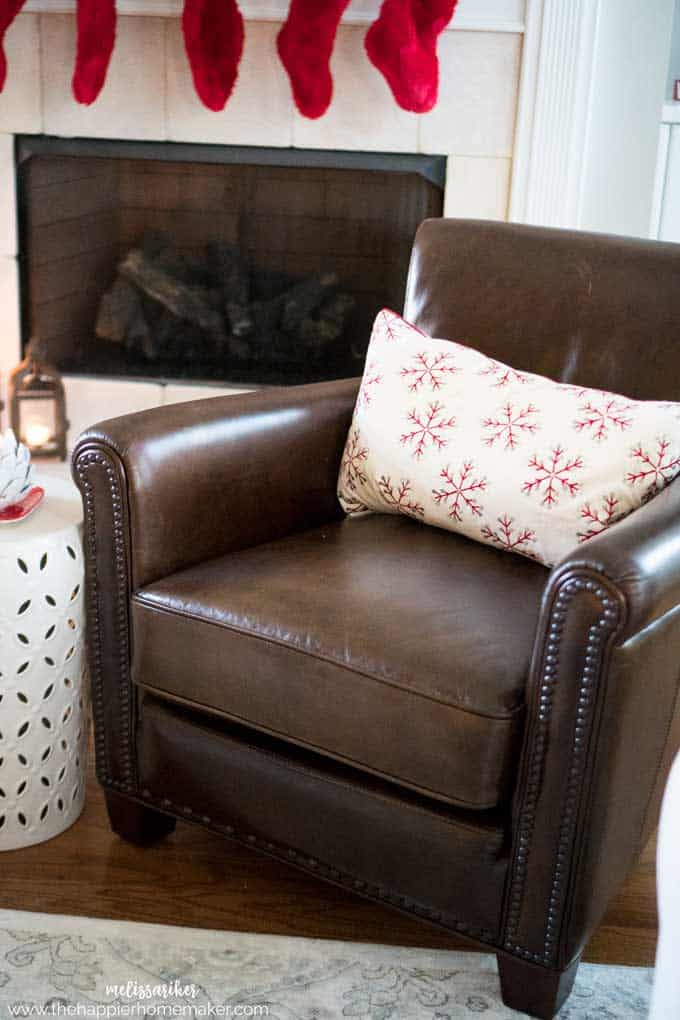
(214, 263)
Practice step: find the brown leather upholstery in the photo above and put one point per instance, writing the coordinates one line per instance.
(407, 653)
(359, 639)
(328, 815)
(298, 433)
(599, 311)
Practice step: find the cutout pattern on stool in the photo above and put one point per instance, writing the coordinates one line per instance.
(43, 690)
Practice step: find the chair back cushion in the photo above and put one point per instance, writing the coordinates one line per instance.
(581, 308)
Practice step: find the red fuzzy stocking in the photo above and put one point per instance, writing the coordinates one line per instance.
(96, 36)
(213, 36)
(8, 12)
(402, 44)
(305, 44)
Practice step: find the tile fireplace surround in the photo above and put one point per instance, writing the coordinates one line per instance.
(149, 96)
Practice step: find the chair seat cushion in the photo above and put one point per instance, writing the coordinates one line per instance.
(401, 650)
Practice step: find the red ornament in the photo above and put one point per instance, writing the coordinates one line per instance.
(17, 511)
(96, 20)
(213, 36)
(305, 44)
(8, 12)
(402, 44)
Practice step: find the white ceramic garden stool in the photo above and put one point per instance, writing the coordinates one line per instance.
(43, 683)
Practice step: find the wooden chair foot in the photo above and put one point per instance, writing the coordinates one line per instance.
(530, 988)
(135, 822)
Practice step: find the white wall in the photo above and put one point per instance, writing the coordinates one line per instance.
(627, 91)
(674, 61)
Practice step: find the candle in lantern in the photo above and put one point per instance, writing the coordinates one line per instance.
(37, 435)
(37, 404)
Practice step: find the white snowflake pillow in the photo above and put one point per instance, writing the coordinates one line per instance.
(446, 435)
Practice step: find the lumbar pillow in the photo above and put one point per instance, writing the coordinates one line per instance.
(450, 437)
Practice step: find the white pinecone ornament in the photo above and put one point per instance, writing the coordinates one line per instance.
(15, 470)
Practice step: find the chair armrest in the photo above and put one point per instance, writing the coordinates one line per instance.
(177, 485)
(641, 556)
(603, 724)
(201, 479)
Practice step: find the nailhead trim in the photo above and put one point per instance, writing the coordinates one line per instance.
(85, 463)
(319, 868)
(598, 635)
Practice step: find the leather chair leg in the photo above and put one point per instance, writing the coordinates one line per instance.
(532, 989)
(135, 822)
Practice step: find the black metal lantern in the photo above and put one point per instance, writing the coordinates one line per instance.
(37, 405)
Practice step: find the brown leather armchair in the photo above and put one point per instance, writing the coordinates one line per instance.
(440, 726)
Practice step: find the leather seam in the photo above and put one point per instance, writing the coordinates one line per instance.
(336, 781)
(219, 713)
(144, 603)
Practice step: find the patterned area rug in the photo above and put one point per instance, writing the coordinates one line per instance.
(111, 969)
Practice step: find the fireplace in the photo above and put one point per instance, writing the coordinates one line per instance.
(214, 263)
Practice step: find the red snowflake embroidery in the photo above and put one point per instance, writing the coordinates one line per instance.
(428, 371)
(503, 537)
(460, 492)
(600, 419)
(352, 504)
(428, 429)
(510, 425)
(599, 519)
(352, 466)
(400, 498)
(656, 469)
(393, 327)
(371, 379)
(553, 476)
(502, 373)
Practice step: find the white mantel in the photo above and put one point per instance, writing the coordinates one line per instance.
(471, 15)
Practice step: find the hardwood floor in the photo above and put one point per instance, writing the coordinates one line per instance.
(195, 878)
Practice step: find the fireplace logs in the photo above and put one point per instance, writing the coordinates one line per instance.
(165, 303)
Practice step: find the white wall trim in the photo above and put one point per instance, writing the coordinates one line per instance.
(526, 102)
(555, 92)
(670, 113)
(660, 181)
(359, 13)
